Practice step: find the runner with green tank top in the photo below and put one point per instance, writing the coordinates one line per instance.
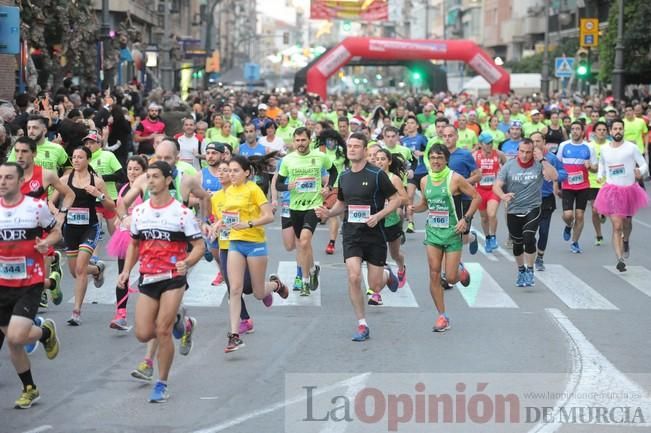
(444, 227)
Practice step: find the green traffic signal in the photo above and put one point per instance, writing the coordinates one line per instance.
(415, 75)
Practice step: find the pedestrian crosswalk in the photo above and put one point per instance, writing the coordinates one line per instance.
(488, 288)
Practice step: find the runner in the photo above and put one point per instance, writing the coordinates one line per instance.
(578, 157)
(81, 229)
(117, 246)
(363, 191)
(444, 228)
(161, 228)
(245, 210)
(190, 143)
(522, 178)
(621, 196)
(22, 247)
(148, 129)
(303, 169)
(489, 162)
(333, 145)
(549, 192)
(510, 146)
(600, 138)
(415, 141)
(251, 146)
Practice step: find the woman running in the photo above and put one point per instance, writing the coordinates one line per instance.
(244, 212)
(81, 228)
(117, 246)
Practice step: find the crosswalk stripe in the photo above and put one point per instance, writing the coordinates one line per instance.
(483, 291)
(637, 276)
(403, 297)
(570, 289)
(287, 273)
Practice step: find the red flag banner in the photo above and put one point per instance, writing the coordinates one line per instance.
(357, 10)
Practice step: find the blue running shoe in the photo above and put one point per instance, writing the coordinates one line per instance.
(488, 244)
(208, 255)
(159, 393)
(473, 245)
(522, 279)
(494, 245)
(31, 347)
(362, 333)
(530, 280)
(178, 330)
(567, 233)
(392, 282)
(575, 248)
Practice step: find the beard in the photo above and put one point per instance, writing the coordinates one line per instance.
(154, 117)
(618, 137)
(39, 137)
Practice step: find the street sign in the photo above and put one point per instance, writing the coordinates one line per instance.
(251, 71)
(9, 30)
(589, 32)
(563, 67)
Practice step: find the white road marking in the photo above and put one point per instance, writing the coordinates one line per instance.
(403, 297)
(592, 376)
(637, 276)
(287, 273)
(489, 256)
(642, 223)
(484, 291)
(356, 382)
(40, 429)
(499, 249)
(571, 290)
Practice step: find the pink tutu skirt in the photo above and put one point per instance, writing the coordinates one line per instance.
(623, 201)
(118, 244)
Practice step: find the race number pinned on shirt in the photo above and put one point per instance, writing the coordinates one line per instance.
(359, 213)
(229, 219)
(487, 180)
(284, 210)
(438, 219)
(78, 216)
(575, 178)
(155, 278)
(13, 268)
(616, 170)
(306, 184)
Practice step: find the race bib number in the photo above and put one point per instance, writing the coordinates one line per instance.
(438, 219)
(358, 213)
(616, 170)
(575, 178)
(78, 216)
(284, 210)
(306, 184)
(155, 278)
(229, 219)
(14, 268)
(487, 180)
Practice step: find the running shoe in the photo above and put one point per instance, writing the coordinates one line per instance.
(119, 322)
(540, 264)
(488, 245)
(445, 284)
(282, 289)
(314, 278)
(369, 292)
(99, 278)
(75, 318)
(179, 325)
(246, 326)
(522, 279)
(402, 277)
(493, 242)
(464, 275)
(330, 248)
(186, 341)
(234, 343)
(410, 227)
(442, 324)
(530, 280)
(375, 299)
(362, 333)
(393, 282)
(473, 245)
(599, 240)
(159, 393)
(207, 254)
(55, 291)
(56, 263)
(298, 283)
(627, 250)
(31, 347)
(51, 345)
(575, 248)
(218, 279)
(268, 300)
(621, 266)
(305, 290)
(43, 303)
(144, 372)
(567, 233)
(28, 397)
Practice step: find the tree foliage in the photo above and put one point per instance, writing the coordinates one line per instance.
(636, 40)
(533, 64)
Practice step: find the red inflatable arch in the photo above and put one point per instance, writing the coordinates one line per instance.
(406, 49)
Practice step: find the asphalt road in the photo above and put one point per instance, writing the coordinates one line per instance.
(582, 332)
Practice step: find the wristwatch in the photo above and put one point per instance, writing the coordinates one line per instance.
(250, 224)
(101, 197)
(63, 210)
(468, 220)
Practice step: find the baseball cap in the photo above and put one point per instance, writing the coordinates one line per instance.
(91, 136)
(516, 124)
(263, 107)
(154, 106)
(219, 147)
(164, 167)
(485, 138)
(534, 112)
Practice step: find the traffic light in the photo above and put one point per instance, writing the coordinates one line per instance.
(582, 70)
(198, 74)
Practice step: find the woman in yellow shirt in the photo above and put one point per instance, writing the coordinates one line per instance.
(244, 212)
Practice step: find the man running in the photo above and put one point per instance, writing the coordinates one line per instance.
(22, 222)
(303, 169)
(161, 228)
(600, 138)
(363, 190)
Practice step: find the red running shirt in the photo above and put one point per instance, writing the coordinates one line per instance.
(489, 166)
(34, 187)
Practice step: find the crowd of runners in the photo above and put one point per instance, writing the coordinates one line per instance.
(168, 183)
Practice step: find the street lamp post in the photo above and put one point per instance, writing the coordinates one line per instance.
(210, 24)
(544, 81)
(167, 78)
(618, 70)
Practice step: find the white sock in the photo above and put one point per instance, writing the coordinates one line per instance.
(362, 322)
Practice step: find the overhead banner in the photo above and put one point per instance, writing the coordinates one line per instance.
(358, 10)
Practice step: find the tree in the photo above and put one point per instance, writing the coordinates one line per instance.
(533, 64)
(637, 40)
